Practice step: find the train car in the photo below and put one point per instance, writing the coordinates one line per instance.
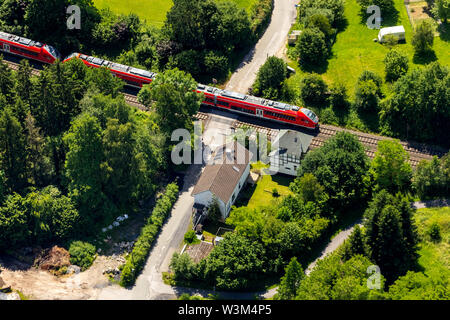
(259, 107)
(27, 48)
(132, 76)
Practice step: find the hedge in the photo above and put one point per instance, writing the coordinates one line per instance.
(261, 12)
(135, 261)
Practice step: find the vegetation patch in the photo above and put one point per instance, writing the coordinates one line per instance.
(136, 259)
(82, 254)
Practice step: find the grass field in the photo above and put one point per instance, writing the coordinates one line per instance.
(434, 257)
(354, 50)
(153, 11)
(262, 194)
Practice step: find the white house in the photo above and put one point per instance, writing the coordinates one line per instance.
(223, 178)
(288, 149)
(398, 32)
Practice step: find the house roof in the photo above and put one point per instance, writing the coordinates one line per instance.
(222, 174)
(292, 143)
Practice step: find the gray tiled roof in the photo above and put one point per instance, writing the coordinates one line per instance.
(224, 172)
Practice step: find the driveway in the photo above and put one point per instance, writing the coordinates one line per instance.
(270, 44)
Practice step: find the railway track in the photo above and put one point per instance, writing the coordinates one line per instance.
(417, 151)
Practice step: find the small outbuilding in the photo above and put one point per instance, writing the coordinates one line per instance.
(398, 32)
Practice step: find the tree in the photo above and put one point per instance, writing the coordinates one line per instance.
(270, 76)
(308, 188)
(38, 160)
(14, 223)
(390, 168)
(355, 245)
(23, 84)
(332, 9)
(418, 286)
(322, 23)
(311, 47)
(391, 236)
(368, 92)
(6, 80)
(314, 90)
(441, 9)
(333, 279)
(291, 280)
(175, 100)
(432, 178)
(237, 263)
(395, 65)
(83, 168)
(424, 92)
(13, 159)
(183, 267)
(338, 96)
(121, 164)
(423, 37)
(340, 166)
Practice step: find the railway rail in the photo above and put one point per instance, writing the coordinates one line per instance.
(417, 151)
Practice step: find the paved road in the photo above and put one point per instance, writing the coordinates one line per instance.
(270, 44)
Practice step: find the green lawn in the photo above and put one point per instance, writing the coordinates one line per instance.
(434, 257)
(354, 50)
(262, 193)
(153, 11)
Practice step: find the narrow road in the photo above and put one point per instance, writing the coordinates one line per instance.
(270, 44)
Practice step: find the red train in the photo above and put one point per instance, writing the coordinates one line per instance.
(232, 101)
(259, 107)
(132, 76)
(28, 48)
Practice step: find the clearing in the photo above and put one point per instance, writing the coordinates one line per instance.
(153, 11)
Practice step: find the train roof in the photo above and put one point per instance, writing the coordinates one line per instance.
(20, 40)
(117, 66)
(247, 98)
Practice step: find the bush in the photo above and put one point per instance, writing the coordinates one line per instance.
(313, 90)
(423, 37)
(275, 193)
(189, 237)
(216, 64)
(396, 65)
(368, 91)
(82, 254)
(311, 47)
(339, 96)
(136, 259)
(321, 22)
(434, 232)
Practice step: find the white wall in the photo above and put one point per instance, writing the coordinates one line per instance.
(238, 189)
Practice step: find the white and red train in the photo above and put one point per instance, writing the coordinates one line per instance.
(232, 101)
(27, 48)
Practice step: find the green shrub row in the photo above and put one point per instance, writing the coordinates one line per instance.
(261, 12)
(136, 260)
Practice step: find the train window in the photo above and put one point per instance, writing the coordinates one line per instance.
(209, 100)
(25, 51)
(223, 103)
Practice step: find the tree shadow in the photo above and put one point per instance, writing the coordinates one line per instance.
(342, 113)
(319, 69)
(425, 57)
(370, 119)
(444, 31)
(389, 17)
